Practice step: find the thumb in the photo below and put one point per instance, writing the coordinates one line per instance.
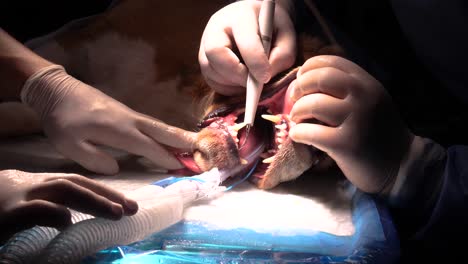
(250, 46)
(283, 50)
(167, 135)
(319, 136)
(281, 60)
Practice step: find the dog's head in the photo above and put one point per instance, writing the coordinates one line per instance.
(224, 143)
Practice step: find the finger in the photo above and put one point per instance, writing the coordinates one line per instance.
(281, 59)
(330, 110)
(218, 51)
(137, 142)
(69, 194)
(211, 73)
(325, 61)
(159, 155)
(90, 157)
(130, 206)
(250, 46)
(37, 212)
(283, 51)
(322, 137)
(164, 133)
(326, 80)
(224, 89)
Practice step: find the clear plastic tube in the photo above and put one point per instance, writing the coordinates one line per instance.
(92, 235)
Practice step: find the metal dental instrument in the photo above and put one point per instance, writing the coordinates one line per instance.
(254, 87)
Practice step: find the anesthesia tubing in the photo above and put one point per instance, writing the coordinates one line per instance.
(161, 205)
(25, 246)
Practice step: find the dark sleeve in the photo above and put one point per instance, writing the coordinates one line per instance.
(438, 33)
(448, 223)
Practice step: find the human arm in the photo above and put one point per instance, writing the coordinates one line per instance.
(17, 63)
(443, 226)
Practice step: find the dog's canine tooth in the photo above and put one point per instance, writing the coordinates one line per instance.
(239, 126)
(273, 118)
(269, 160)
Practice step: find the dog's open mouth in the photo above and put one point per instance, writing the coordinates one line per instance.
(223, 141)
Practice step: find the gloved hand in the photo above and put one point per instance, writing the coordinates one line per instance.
(29, 199)
(361, 130)
(233, 30)
(76, 117)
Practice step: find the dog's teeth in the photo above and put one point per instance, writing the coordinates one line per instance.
(234, 133)
(280, 146)
(273, 118)
(281, 133)
(237, 127)
(280, 140)
(281, 127)
(243, 161)
(269, 160)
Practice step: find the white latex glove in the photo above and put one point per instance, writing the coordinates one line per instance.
(77, 117)
(29, 199)
(360, 129)
(231, 46)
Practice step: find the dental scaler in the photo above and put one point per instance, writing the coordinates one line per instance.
(254, 87)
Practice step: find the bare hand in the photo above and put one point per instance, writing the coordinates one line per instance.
(29, 199)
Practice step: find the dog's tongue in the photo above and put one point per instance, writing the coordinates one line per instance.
(188, 162)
